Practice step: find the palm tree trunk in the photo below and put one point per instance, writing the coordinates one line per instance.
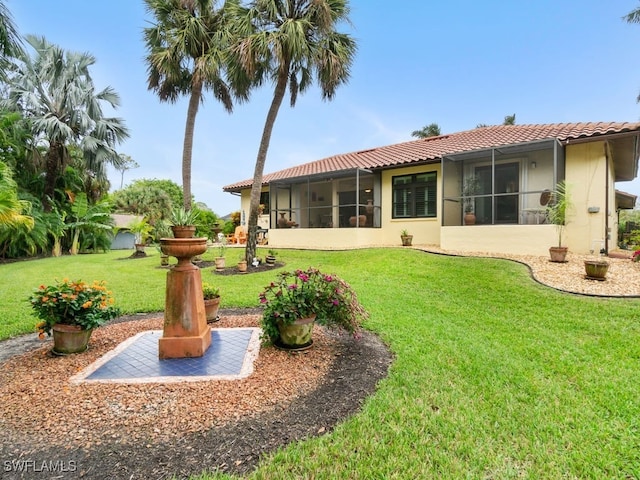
(52, 167)
(256, 188)
(187, 148)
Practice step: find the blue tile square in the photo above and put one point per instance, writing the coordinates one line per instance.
(140, 360)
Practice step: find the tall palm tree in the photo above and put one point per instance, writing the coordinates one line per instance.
(291, 41)
(187, 49)
(431, 130)
(55, 92)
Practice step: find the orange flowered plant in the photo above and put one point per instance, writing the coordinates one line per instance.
(72, 303)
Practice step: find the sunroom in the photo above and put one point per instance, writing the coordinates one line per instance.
(341, 199)
(500, 186)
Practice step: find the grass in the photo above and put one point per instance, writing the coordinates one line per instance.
(495, 376)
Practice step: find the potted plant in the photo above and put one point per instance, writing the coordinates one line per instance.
(142, 231)
(71, 310)
(406, 238)
(219, 260)
(557, 214)
(470, 187)
(162, 230)
(596, 269)
(183, 222)
(296, 300)
(270, 259)
(211, 297)
(242, 265)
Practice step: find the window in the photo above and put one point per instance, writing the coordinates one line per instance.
(414, 196)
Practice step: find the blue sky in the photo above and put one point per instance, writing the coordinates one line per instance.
(457, 63)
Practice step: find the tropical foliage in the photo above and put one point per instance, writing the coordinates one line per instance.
(54, 90)
(431, 130)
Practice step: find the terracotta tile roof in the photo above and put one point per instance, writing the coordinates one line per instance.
(434, 148)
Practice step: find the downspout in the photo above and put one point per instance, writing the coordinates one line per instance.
(606, 199)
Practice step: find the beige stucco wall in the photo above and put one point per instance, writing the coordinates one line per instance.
(586, 167)
(515, 239)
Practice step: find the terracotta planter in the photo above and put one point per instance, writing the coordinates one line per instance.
(69, 339)
(164, 260)
(211, 308)
(242, 266)
(406, 240)
(596, 269)
(469, 218)
(183, 231)
(558, 254)
(360, 221)
(296, 335)
(283, 222)
(220, 263)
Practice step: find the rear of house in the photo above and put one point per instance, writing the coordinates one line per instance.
(502, 176)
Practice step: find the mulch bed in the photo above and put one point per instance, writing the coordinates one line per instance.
(233, 270)
(350, 370)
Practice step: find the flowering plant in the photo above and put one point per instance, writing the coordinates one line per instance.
(72, 303)
(636, 256)
(304, 293)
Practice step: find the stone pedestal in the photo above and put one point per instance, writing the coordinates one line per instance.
(186, 333)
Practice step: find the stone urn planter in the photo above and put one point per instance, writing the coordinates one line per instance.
(596, 269)
(183, 231)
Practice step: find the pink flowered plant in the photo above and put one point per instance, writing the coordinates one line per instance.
(636, 256)
(304, 293)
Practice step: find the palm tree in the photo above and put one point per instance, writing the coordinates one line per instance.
(187, 49)
(431, 130)
(55, 92)
(291, 40)
(633, 17)
(10, 42)
(509, 120)
(125, 163)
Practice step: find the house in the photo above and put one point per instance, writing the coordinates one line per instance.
(504, 175)
(123, 238)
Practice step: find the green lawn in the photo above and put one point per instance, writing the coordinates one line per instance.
(495, 376)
